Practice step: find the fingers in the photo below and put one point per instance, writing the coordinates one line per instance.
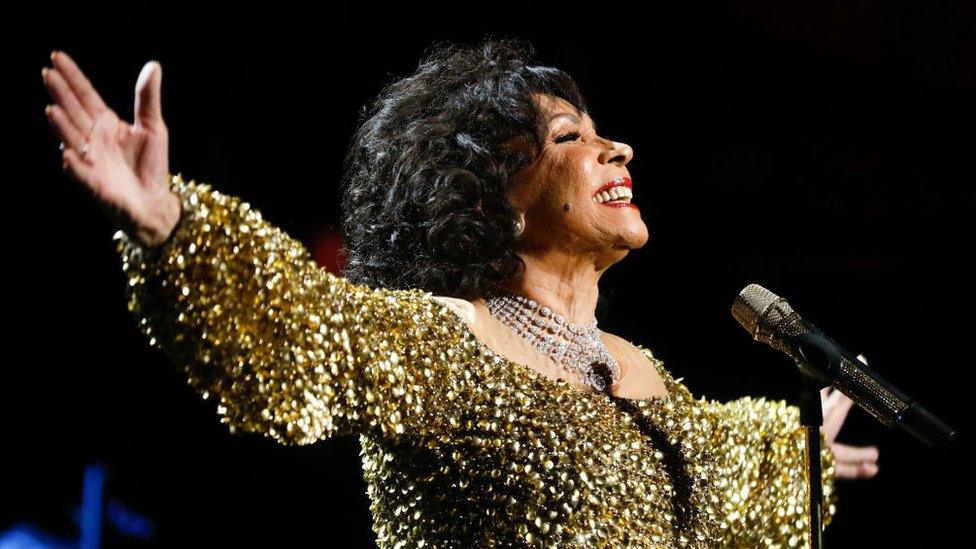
(83, 89)
(75, 166)
(148, 107)
(65, 97)
(844, 452)
(64, 128)
(855, 470)
(855, 461)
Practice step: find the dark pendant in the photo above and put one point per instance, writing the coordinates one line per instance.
(602, 375)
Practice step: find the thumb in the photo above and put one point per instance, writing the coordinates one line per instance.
(148, 109)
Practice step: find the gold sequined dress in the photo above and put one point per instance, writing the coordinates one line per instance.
(460, 446)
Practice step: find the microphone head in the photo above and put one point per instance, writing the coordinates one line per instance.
(767, 317)
(751, 307)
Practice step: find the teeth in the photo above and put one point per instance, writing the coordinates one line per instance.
(620, 193)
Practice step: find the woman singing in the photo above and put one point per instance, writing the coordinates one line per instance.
(480, 207)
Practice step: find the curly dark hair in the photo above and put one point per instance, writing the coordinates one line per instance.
(425, 176)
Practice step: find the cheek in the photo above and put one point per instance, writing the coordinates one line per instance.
(575, 179)
(565, 178)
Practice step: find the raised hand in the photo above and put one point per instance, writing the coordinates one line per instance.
(850, 461)
(123, 166)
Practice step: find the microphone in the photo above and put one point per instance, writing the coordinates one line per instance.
(770, 319)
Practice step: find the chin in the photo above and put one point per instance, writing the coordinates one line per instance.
(631, 241)
(636, 238)
(629, 245)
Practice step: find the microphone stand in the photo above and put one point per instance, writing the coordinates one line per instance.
(811, 416)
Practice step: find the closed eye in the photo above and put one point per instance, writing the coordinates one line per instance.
(562, 138)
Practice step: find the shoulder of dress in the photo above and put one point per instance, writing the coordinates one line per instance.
(464, 308)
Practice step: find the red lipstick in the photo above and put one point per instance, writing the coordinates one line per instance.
(620, 205)
(624, 181)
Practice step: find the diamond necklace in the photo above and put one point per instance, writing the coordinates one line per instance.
(577, 349)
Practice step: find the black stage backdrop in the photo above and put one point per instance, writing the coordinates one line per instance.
(821, 149)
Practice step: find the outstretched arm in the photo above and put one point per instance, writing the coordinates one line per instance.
(287, 349)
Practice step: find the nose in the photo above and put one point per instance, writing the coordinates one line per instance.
(616, 152)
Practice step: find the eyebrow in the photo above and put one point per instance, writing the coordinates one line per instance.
(572, 117)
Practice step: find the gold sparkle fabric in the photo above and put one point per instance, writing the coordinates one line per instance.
(460, 447)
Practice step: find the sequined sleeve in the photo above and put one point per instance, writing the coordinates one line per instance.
(287, 349)
(759, 448)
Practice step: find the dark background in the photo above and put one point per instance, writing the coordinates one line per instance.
(821, 149)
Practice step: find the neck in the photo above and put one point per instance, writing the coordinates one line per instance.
(569, 287)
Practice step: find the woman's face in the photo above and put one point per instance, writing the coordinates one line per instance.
(557, 192)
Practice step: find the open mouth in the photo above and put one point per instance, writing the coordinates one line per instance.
(618, 191)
